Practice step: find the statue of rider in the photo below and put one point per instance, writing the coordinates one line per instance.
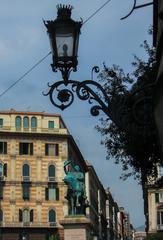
(76, 188)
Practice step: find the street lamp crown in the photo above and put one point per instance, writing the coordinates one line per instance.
(64, 11)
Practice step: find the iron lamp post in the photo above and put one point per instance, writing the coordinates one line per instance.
(64, 38)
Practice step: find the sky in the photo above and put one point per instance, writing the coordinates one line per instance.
(104, 38)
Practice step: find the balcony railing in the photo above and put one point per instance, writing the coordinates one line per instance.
(51, 179)
(25, 178)
(29, 224)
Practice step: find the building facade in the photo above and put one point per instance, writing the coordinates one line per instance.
(33, 149)
(155, 203)
(97, 204)
(112, 217)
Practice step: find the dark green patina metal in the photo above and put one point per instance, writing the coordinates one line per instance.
(76, 188)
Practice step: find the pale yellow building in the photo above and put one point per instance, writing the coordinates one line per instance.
(33, 149)
(155, 203)
(97, 198)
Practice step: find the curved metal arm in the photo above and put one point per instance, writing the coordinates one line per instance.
(138, 102)
(136, 7)
(61, 95)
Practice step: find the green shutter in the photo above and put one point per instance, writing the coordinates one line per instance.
(31, 215)
(46, 194)
(1, 122)
(31, 148)
(5, 170)
(20, 148)
(56, 149)
(20, 215)
(156, 197)
(57, 194)
(158, 218)
(5, 147)
(1, 191)
(46, 149)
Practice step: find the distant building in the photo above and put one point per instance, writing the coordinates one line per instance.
(121, 223)
(97, 204)
(112, 216)
(128, 228)
(33, 148)
(155, 203)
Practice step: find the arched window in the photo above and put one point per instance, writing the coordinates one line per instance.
(1, 215)
(26, 122)
(51, 171)
(18, 122)
(26, 169)
(34, 122)
(52, 216)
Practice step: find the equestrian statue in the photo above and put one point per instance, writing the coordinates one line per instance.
(76, 197)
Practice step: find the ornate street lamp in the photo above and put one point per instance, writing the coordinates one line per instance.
(64, 37)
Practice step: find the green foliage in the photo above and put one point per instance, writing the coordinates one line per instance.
(155, 236)
(130, 134)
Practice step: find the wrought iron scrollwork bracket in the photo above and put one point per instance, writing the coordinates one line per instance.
(136, 7)
(61, 94)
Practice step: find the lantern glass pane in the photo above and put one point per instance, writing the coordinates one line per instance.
(64, 44)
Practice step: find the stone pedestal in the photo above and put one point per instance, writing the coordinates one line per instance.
(76, 227)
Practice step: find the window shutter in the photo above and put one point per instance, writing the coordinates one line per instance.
(157, 197)
(57, 149)
(158, 218)
(5, 169)
(1, 191)
(31, 148)
(5, 147)
(46, 194)
(20, 149)
(31, 215)
(57, 194)
(46, 150)
(20, 215)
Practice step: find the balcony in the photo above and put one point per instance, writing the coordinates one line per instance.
(5, 128)
(29, 224)
(55, 130)
(25, 178)
(51, 179)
